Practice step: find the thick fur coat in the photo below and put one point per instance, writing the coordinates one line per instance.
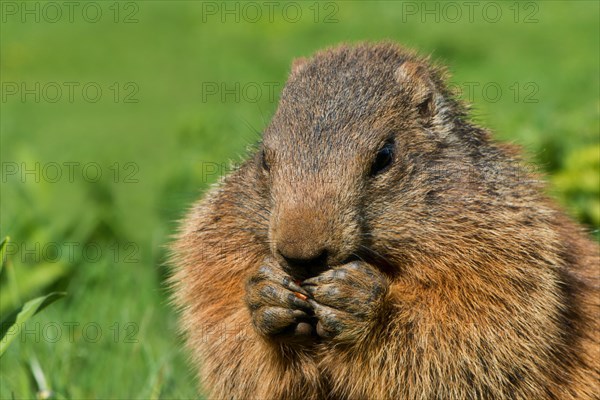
(379, 245)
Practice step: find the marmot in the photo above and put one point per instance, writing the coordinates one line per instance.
(379, 245)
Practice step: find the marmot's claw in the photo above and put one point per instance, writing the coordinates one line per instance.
(278, 305)
(346, 299)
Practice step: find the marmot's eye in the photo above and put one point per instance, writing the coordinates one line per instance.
(384, 159)
(263, 159)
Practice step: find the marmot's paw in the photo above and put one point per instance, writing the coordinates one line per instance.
(347, 300)
(278, 305)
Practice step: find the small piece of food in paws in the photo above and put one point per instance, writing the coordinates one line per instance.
(301, 296)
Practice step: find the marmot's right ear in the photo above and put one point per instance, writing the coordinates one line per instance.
(416, 82)
(298, 65)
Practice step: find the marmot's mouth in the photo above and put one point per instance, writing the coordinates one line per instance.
(305, 272)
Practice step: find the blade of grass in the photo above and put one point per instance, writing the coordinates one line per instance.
(2, 251)
(14, 322)
(31, 281)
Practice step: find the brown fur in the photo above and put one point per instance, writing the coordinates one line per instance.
(447, 276)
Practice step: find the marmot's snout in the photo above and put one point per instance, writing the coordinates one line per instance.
(305, 243)
(309, 237)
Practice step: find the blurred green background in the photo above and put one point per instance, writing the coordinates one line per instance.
(117, 115)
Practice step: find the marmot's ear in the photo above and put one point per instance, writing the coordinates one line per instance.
(416, 82)
(298, 65)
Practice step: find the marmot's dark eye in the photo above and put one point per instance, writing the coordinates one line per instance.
(384, 159)
(263, 159)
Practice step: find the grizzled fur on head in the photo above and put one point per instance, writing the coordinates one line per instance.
(337, 111)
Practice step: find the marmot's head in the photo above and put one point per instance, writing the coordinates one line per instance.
(348, 158)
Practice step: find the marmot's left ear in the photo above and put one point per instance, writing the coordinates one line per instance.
(418, 85)
(298, 65)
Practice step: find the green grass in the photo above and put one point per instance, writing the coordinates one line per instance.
(171, 135)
